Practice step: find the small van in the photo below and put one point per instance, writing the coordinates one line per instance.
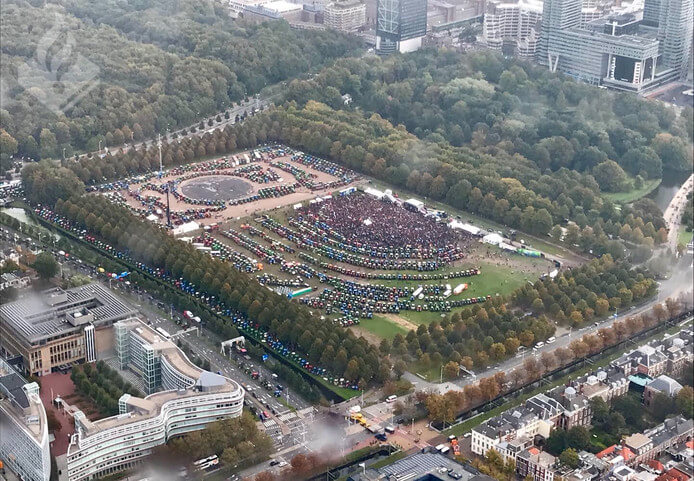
(551, 340)
(391, 398)
(539, 345)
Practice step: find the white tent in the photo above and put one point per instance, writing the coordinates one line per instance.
(374, 193)
(152, 217)
(185, 228)
(297, 206)
(368, 222)
(493, 239)
(507, 247)
(469, 228)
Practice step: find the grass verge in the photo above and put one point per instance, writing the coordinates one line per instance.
(633, 194)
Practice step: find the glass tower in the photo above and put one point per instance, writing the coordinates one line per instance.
(400, 25)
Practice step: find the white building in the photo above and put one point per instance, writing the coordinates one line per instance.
(345, 15)
(519, 424)
(194, 398)
(24, 441)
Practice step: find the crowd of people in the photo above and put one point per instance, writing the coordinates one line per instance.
(364, 221)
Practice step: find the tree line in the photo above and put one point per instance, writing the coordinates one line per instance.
(506, 105)
(103, 385)
(324, 344)
(445, 407)
(152, 66)
(236, 441)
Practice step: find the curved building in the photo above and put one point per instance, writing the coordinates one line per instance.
(192, 398)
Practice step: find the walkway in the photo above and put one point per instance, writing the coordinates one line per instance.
(673, 213)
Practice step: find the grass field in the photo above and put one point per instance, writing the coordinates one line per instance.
(633, 194)
(684, 237)
(382, 327)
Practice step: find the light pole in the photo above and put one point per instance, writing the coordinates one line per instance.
(99, 147)
(441, 375)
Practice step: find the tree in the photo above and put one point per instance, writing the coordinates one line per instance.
(399, 368)
(46, 266)
(450, 370)
(569, 457)
(610, 176)
(578, 438)
(685, 402)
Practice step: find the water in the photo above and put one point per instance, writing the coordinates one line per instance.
(19, 214)
(672, 181)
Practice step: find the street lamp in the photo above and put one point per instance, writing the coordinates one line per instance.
(99, 146)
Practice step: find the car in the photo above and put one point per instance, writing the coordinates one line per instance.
(551, 340)
(274, 462)
(391, 398)
(381, 436)
(282, 464)
(454, 474)
(539, 344)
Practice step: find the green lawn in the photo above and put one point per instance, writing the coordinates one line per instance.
(684, 237)
(633, 194)
(382, 327)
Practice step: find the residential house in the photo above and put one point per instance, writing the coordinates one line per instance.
(538, 464)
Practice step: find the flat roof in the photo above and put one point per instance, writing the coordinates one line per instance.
(42, 316)
(26, 409)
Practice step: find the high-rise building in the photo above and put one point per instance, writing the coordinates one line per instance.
(24, 444)
(189, 398)
(345, 15)
(400, 25)
(618, 51)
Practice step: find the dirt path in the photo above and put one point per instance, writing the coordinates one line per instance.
(400, 321)
(369, 336)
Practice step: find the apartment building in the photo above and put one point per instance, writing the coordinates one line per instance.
(670, 355)
(345, 15)
(24, 444)
(539, 465)
(651, 444)
(192, 398)
(520, 424)
(57, 327)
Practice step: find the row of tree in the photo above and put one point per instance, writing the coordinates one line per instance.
(445, 407)
(324, 344)
(236, 441)
(103, 385)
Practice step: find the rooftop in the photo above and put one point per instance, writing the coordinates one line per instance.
(420, 466)
(54, 312)
(22, 403)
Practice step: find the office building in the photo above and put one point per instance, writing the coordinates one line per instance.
(24, 444)
(620, 51)
(345, 16)
(58, 327)
(400, 25)
(191, 399)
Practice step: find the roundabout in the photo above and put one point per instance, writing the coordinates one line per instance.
(216, 187)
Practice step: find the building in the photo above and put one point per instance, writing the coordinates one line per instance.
(519, 424)
(15, 280)
(24, 443)
(191, 399)
(662, 384)
(515, 24)
(58, 327)
(619, 51)
(641, 445)
(275, 10)
(345, 15)
(539, 465)
(670, 355)
(400, 25)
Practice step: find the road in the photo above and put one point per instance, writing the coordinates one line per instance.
(673, 213)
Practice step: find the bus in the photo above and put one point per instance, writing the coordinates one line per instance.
(163, 333)
(205, 463)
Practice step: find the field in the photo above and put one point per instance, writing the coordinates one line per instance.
(634, 194)
(296, 221)
(684, 237)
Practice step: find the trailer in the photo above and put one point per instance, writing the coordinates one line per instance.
(459, 289)
(300, 292)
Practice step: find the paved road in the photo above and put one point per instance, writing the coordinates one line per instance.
(673, 213)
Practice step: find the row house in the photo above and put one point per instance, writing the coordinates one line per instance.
(670, 355)
(537, 464)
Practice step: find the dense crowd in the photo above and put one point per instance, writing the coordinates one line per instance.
(364, 220)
